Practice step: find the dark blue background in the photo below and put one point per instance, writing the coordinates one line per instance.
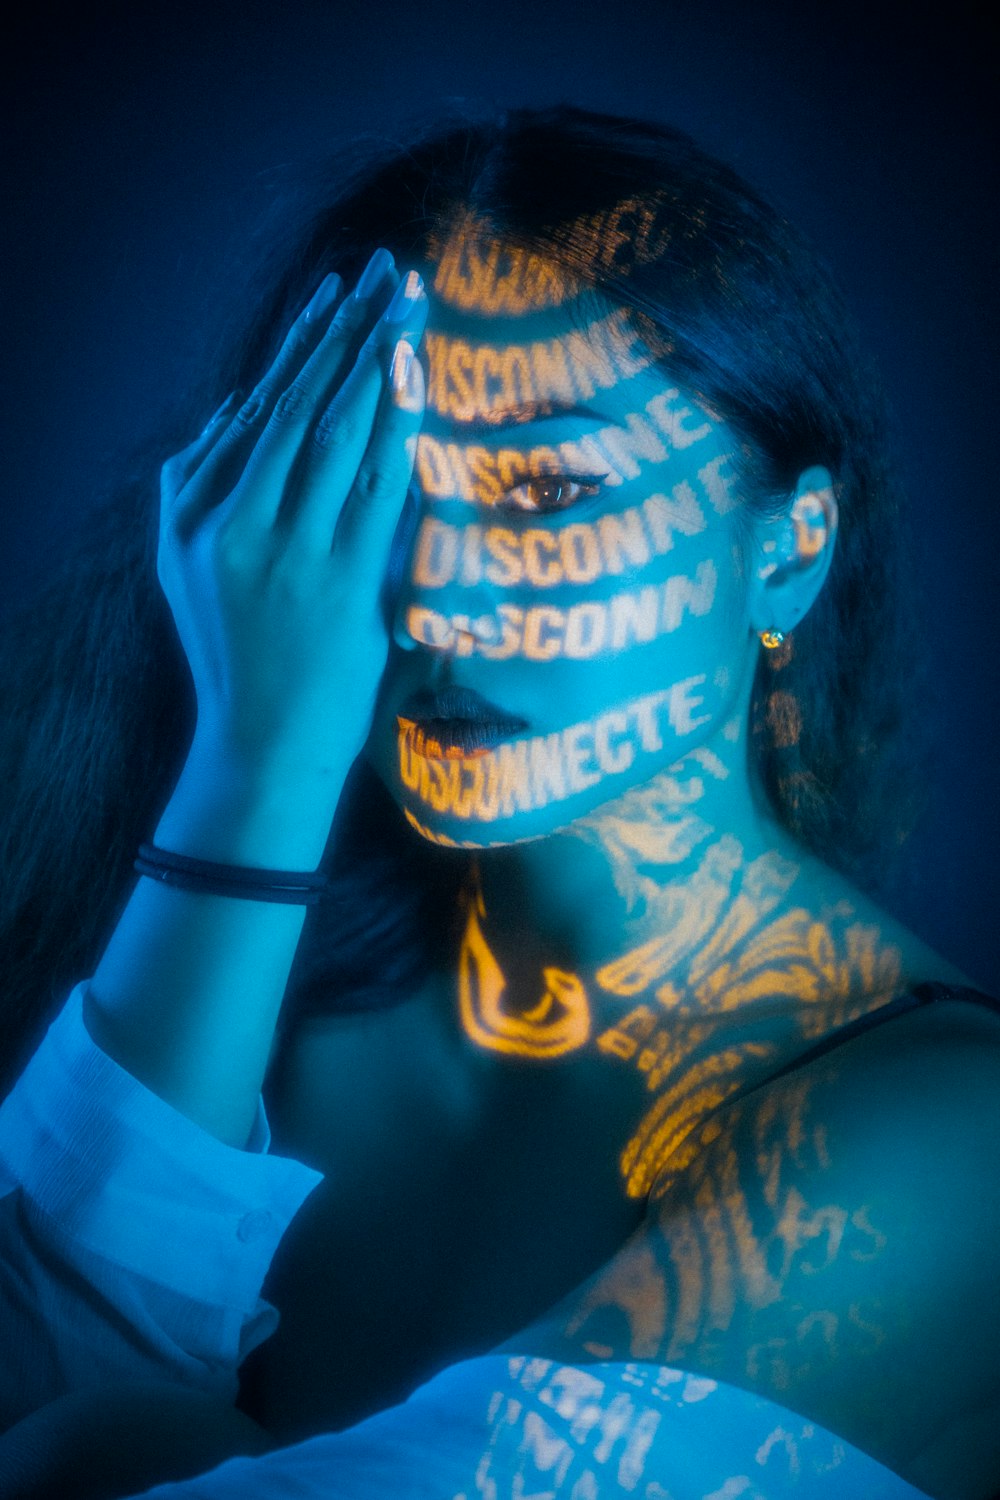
(144, 145)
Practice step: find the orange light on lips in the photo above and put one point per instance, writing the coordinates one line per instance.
(423, 744)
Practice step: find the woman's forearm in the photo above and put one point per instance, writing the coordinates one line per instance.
(187, 992)
(276, 529)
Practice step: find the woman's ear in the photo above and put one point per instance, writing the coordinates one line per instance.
(792, 553)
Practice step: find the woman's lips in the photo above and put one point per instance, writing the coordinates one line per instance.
(453, 722)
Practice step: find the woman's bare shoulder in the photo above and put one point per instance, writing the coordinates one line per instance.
(865, 1177)
(826, 891)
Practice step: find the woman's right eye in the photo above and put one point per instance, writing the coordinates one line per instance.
(552, 492)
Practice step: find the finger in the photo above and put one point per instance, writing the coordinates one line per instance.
(302, 337)
(313, 461)
(178, 469)
(336, 351)
(299, 342)
(317, 383)
(212, 427)
(404, 317)
(327, 460)
(297, 408)
(369, 520)
(266, 433)
(179, 466)
(233, 424)
(342, 433)
(314, 322)
(249, 418)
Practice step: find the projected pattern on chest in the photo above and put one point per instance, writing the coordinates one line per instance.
(746, 1248)
(704, 969)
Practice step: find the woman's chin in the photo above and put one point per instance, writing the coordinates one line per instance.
(448, 833)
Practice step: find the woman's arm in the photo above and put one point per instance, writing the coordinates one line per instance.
(276, 528)
(138, 1207)
(187, 993)
(133, 1244)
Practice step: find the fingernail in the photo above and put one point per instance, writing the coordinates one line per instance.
(399, 370)
(374, 272)
(323, 297)
(223, 411)
(404, 298)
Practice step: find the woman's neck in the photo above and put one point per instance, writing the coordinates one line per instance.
(669, 952)
(679, 922)
(672, 854)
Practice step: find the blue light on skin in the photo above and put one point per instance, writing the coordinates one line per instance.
(670, 847)
(667, 711)
(658, 704)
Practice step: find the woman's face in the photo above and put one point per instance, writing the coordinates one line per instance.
(570, 606)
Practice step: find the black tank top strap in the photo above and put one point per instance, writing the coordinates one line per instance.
(931, 992)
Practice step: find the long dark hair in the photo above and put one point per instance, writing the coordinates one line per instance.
(97, 699)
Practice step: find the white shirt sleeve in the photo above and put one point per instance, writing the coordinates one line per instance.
(500, 1426)
(133, 1244)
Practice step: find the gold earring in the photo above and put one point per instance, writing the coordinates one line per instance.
(771, 638)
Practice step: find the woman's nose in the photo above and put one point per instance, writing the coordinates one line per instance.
(458, 625)
(433, 606)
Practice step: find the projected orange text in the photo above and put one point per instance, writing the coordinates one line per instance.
(482, 475)
(556, 1021)
(597, 628)
(523, 774)
(468, 382)
(577, 552)
(476, 272)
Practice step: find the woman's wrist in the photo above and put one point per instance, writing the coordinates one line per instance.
(187, 992)
(266, 815)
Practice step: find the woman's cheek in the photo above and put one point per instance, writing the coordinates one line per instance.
(532, 784)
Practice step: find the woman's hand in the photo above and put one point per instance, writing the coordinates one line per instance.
(275, 534)
(276, 526)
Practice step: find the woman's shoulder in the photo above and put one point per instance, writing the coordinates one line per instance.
(833, 1236)
(841, 1225)
(912, 1101)
(955, 1026)
(926, 1062)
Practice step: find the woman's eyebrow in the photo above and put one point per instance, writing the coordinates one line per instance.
(517, 416)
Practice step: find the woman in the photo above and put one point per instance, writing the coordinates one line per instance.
(569, 520)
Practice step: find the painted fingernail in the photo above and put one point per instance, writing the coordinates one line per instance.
(374, 272)
(323, 297)
(404, 299)
(399, 370)
(223, 411)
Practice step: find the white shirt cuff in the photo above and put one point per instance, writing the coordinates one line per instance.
(135, 1181)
